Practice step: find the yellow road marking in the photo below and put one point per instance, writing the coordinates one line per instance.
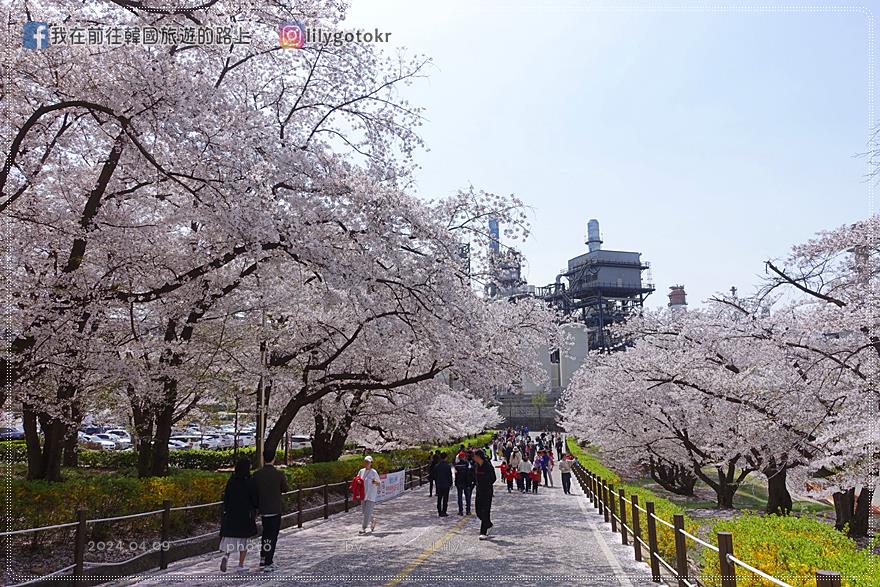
(423, 556)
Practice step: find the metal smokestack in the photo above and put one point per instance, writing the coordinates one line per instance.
(593, 241)
(494, 233)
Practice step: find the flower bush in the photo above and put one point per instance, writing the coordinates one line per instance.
(791, 549)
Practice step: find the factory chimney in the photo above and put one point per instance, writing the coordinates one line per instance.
(494, 235)
(677, 297)
(593, 241)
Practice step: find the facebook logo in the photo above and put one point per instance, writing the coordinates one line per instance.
(36, 35)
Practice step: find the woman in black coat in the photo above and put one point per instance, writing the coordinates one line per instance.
(239, 515)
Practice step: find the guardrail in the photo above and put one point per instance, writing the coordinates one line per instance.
(78, 572)
(612, 505)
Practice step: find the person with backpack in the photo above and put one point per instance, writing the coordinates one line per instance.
(239, 515)
(442, 473)
(485, 479)
(464, 482)
(270, 483)
(369, 483)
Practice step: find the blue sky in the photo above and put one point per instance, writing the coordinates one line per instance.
(707, 141)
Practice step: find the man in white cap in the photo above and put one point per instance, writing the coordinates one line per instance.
(371, 480)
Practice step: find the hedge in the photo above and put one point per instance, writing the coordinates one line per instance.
(663, 508)
(15, 451)
(791, 549)
(105, 494)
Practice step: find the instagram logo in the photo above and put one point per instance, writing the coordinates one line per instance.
(291, 35)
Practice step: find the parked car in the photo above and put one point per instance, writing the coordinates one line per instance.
(11, 434)
(90, 430)
(245, 439)
(115, 440)
(300, 442)
(176, 444)
(95, 442)
(216, 441)
(189, 440)
(123, 438)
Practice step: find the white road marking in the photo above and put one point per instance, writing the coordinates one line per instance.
(603, 546)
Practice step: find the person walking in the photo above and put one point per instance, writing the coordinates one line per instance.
(565, 470)
(464, 483)
(535, 476)
(485, 479)
(442, 473)
(372, 482)
(239, 515)
(544, 460)
(523, 483)
(270, 483)
(559, 446)
(435, 458)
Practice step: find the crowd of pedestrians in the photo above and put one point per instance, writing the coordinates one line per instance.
(525, 462)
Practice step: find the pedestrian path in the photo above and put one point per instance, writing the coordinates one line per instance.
(544, 539)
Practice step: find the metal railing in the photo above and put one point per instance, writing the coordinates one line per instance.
(625, 516)
(412, 478)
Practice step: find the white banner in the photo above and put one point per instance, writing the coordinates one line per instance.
(392, 485)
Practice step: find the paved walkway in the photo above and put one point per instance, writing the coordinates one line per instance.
(545, 539)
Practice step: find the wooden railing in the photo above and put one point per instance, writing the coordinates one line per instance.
(625, 516)
(163, 551)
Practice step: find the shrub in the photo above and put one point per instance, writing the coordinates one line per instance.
(663, 508)
(13, 451)
(791, 549)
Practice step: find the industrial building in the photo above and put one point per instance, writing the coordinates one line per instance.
(599, 288)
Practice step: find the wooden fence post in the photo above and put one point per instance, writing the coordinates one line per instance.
(728, 569)
(603, 506)
(165, 533)
(346, 500)
(681, 561)
(613, 507)
(79, 545)
(420, 475)
(828, 579)
(623, 537)
(652, 542)
(326, 502)
(299, 507)
(637, 529)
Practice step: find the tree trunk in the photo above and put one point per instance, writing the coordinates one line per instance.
(844, 504)
(673, 477)
(70, 453)
(859, 525)
(852, 513)
(778, 498)
(143, 431)
(329, 439)
(164, 421)
(727, 483)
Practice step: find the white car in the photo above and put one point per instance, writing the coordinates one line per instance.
(115, 440)
(247, 439)
(122, 438)
(300, 442)
(176, 444)
(96, 442)
(189, 440)
(216, 441)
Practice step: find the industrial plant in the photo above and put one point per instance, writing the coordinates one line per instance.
(599, 288)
